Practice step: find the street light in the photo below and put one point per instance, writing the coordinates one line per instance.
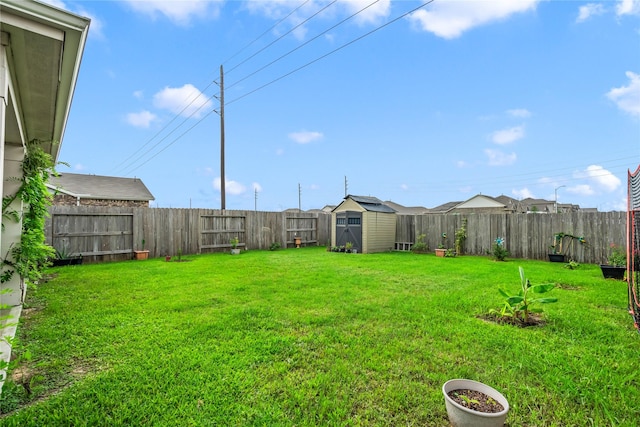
(556, 196)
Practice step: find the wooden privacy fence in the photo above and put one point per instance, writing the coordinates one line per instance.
(526, 235)
(113, 233)
(110, 233)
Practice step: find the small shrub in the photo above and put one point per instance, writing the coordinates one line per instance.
(499, 252)
(274, 246)
(420, 245)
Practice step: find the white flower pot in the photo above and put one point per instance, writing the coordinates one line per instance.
(460, 416)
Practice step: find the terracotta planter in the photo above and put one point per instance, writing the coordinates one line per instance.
(441, 252)
(140, 255)
(613, 272)
(460, 416)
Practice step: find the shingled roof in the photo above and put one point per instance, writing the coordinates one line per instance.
(100, 187)
(371, 204)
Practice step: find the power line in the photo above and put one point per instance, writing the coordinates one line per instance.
(286, 34)
(305, 43)
(265, 85)
(331, 52)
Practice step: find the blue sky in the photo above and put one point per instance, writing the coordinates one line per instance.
(525, 98)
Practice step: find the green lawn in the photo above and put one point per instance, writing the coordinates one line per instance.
(305, 337)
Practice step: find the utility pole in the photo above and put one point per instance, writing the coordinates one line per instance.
(346, 186)
(222, 175)
(255, 199)
(299, 198)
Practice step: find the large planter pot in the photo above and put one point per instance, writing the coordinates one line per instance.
(461, 416)
(441, 252)
(140, 255)
(612, 272)
(556, 257)
(74, 260)
(235, 251)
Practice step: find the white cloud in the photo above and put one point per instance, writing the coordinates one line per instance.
(404, 187)
(56, 3)
(279, 152)
(143, 119)
(187, 101)
(231, 187)
(588, 10)
(450, 19)
(79, 167)
(305, 137)
(523, 193)
(598, 180)
(627, 98)
(581, 189)
(256, 187)
(628, 7)
(519, 112)
(498, 158)
(178, 11)
(462, 164)
(507, 136)
(138, 94)
(370, 15)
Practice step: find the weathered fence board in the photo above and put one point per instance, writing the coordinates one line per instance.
(526, 235)
(106, 234)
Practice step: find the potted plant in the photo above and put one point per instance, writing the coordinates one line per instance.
(141, 254)
(64, 258)
(474, 404)
(234, 246)
(556, 250)
(441, 250)
(616, 263)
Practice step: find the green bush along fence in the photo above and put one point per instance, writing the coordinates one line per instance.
(112, 233)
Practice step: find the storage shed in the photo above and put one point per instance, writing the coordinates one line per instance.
(366, 222)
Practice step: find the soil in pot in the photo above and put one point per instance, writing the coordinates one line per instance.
(476, 401)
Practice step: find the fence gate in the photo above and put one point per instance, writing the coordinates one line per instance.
(349, 229)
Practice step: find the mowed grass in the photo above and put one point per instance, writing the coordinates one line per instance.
(305, 337)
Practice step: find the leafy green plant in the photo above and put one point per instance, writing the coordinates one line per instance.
(520, 306)
(234, 242)
(443, 241)
(460, 237)
(28, 257)
(449, 253)
(571, 265)
(274, 246)
(499, 252)
(420, 245)
(618, 256)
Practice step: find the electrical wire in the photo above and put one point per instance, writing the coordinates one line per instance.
(131, 163)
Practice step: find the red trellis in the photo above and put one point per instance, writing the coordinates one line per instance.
(633, 245)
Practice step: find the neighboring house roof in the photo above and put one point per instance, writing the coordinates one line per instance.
(406, 210)
(100, 187)
(443, 208)
(369, 203)
(480, 201)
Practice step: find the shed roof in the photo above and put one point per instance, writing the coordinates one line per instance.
(371, 204)
(100, 187)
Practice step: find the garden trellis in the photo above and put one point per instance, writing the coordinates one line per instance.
(633, 245)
